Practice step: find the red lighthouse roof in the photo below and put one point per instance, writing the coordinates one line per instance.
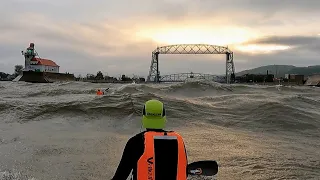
(45, 62)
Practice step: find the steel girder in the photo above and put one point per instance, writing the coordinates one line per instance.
(181, 77)
(154, 73)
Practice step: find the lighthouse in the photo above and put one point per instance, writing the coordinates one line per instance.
(39, 70)
(36, 64)
(28, 56)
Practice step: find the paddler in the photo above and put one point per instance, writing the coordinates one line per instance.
(99, 92)
(154, 148)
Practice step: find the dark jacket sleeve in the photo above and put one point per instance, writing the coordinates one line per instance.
(127, 161)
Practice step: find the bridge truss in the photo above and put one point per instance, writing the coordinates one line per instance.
(154, 74)
(181, 77)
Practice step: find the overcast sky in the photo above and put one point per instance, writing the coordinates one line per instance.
(118, 36)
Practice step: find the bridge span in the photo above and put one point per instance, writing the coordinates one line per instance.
(182, 77)
(154, 73)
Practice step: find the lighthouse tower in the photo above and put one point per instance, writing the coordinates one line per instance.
(29, 55)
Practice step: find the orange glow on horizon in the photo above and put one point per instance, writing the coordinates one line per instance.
(199, 35)
(224, 36)
(255, 48)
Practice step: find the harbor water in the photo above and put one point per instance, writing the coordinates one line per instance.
(65, 131)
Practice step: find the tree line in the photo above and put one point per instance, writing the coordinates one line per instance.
(101, 77)
(9, 77)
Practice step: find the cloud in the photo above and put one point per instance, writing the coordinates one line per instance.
(303, 44)
(119, 36)
(288, 40)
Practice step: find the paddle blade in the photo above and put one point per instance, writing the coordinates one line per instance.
(204, 168)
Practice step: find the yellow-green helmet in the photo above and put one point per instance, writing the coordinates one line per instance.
(154, 115)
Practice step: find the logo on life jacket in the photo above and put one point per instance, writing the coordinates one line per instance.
(197, 171)
(153, 114)
(150, 168)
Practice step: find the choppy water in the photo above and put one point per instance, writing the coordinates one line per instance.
(64, 131)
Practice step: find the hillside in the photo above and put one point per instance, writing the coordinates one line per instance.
(281, 70)
(305, 70)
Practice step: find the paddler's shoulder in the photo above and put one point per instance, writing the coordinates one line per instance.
(141, 134)
(139, 138)
(136, 139)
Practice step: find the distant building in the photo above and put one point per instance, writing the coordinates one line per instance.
(299, 79)
(142, 79)
(287, 76)
(247, 78)
(42, 65)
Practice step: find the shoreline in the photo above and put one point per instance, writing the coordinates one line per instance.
(274, 83)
